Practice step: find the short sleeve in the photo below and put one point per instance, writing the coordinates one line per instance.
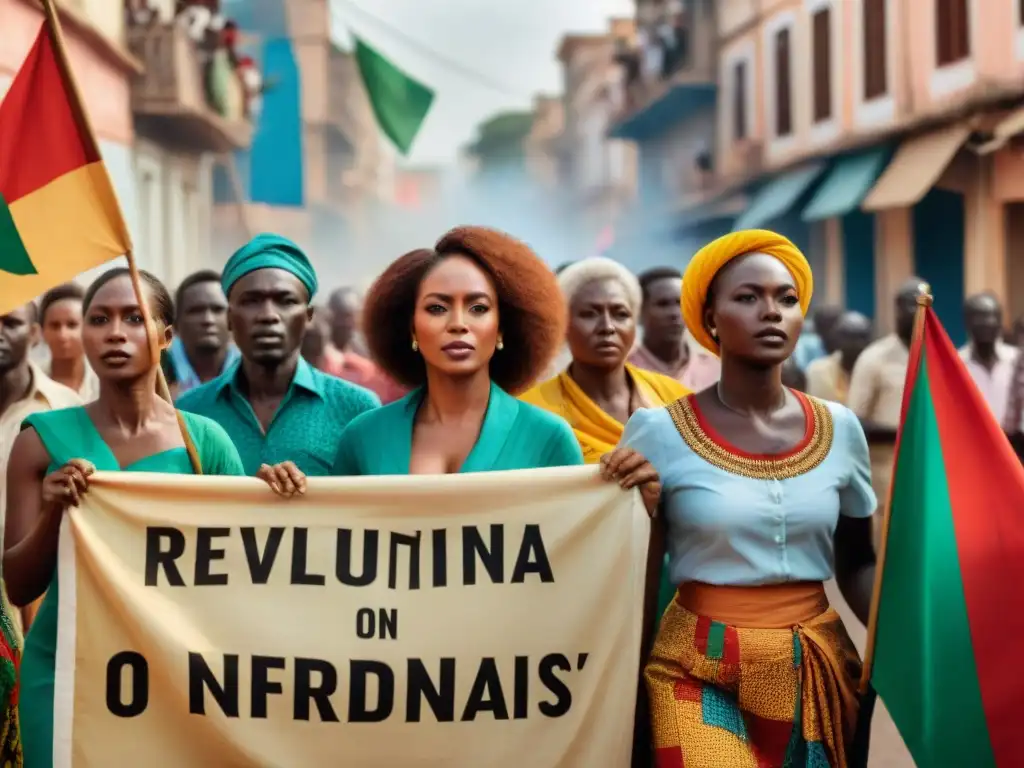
(861, 396)
(856, 496)
(651, 432)
(217, 454)
(346, 460)
(563, 449)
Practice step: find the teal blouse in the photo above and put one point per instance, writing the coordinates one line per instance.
(514, 435)
(70, 434)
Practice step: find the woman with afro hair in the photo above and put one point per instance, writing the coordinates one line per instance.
(468, 325)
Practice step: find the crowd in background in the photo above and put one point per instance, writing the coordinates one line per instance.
(263, 375)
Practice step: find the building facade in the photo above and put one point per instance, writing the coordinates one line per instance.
(190, 108)
(881, 135)
(598, 171)
(95, 35)
(669, 112)
(318, 171)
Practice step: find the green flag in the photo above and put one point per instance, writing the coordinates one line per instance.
(950, 611)
(399, 101)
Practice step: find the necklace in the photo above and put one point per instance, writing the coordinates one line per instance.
(737, 411)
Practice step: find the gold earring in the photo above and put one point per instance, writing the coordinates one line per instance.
(500, 345)
(415, 346)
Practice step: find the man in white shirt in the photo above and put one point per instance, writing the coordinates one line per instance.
(988, 359)
(24, 390)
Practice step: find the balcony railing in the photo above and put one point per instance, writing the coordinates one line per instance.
(197, 100)
(670, 51)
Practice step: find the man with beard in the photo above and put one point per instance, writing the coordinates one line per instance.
(275, 406)
(666, 347)
(24, 390)
(202, 349)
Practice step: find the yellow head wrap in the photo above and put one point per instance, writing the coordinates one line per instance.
(707, 262)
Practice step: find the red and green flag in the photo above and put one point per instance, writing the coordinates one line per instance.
(950, 605)
(58, 212)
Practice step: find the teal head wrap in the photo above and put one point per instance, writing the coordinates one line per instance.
(269, 251)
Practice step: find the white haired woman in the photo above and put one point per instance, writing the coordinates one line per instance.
(599, 390)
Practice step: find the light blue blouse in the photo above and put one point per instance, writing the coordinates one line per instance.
(740, 520)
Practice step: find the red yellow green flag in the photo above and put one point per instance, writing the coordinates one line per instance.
(58, 212)
(950, 610)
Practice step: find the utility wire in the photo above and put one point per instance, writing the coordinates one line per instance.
(449, 63)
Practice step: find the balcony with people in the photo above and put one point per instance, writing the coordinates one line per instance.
(669, 68)
(198, 89)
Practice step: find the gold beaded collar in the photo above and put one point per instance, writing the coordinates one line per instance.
(707, 444)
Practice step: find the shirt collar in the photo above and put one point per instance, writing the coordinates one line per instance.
(44, 388)
(305, 379)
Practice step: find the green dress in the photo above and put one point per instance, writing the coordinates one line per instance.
(514, 435)
(70, 434)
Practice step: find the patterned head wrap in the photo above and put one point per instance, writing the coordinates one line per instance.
(269, 251)
(710, 259)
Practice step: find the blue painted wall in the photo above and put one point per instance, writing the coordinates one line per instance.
(859, 262)
(939, 256)
(272, 169)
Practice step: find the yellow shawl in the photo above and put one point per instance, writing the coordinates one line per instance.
(596, 431)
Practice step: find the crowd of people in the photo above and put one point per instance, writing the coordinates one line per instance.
(760, 444)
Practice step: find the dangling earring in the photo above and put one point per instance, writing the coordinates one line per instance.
(500, 345)
(714, 335)
(415, 346)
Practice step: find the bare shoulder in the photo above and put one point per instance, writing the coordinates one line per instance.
(28, 454)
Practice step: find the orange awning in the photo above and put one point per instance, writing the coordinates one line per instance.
(916, 166)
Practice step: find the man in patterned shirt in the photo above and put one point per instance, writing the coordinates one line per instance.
(273, 404)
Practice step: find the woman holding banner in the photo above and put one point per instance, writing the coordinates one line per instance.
(766, 491)
(468, 324)
(128, 428)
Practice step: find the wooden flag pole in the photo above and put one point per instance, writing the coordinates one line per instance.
(85, 129)
(162, 389)
(924, 301)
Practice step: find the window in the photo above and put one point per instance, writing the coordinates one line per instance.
(783, 84)
(821, 42)
(739, 100)
(952, 34)
(875, 49)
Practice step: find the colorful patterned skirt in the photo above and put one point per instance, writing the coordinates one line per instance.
(10, 658)
(752, 677)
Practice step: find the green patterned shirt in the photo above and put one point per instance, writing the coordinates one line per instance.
(305, 429)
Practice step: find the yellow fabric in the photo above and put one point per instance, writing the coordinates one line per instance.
(726, 695)
(597, 432)
(707, 262)
(90, 233)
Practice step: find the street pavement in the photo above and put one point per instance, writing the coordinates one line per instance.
(887, 748)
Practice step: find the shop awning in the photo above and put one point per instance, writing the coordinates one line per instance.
(916, 166)
(849, 180)
(1007, 128)
(778, 196)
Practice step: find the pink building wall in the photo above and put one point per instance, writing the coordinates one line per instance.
(105, 87)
